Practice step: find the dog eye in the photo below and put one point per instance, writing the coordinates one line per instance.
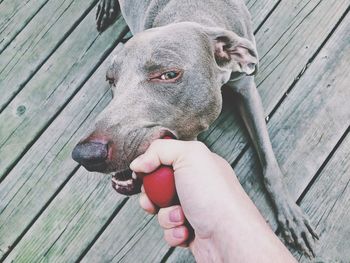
(169, 75)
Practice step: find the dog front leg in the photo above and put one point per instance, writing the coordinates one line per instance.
(293, 222)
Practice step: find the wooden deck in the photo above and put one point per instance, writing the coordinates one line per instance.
(52, 86)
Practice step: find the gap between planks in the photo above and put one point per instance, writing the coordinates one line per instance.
(45, 59)
(14, 33)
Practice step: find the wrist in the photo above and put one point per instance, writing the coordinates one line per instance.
(244, 236)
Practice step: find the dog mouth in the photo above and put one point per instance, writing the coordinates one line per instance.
(126, 182)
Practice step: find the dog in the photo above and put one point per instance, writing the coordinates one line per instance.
(167, 80)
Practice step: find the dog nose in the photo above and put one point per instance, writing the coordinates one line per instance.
(92, 155)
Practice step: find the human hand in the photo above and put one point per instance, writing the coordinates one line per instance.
(212, 201)
(187, 159)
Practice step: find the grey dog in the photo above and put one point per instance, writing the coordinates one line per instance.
(167, 80)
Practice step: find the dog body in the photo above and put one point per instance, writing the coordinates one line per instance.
(167, 80)
(142, 15)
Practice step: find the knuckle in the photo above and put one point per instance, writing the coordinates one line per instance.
(156, 144)
(200, 145)
(196, 147)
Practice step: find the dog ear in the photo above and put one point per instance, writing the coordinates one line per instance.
(233, 52)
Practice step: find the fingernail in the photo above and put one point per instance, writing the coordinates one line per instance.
(178, 233)
(175, 216)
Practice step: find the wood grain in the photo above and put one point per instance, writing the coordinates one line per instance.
(308, 124)
(328, 204)
(36, 42)
(70, 219)
(49, 157)
(260, 10)
(286, 42)
(77, 209)
(52, 87)
(15, 15)
(46, 167)
(133, 236)
(182, 255)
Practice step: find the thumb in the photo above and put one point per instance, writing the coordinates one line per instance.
(165, 152)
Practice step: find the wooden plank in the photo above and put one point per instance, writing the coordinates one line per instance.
(15, 14)
(36, 42)
(304, 130)
(100, 252)
(133, 236)
(125, 225)
(328, 204)
(47, 165)
(48, 91)
(182, 255)
(308, 124)
(260, 9)
(286, 42)
(59, 238)
(30, 183)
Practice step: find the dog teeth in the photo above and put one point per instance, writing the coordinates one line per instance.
(134, 176)
(125, 183)
(119, 183)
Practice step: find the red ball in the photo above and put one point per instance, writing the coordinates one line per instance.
(160, 186)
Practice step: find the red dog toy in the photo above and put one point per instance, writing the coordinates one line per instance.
(160, 185)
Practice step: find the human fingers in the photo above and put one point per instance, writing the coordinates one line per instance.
(171, 217)
(147, 204)
(166, 152)
(176, 236)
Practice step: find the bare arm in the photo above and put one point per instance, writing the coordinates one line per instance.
(227, 226)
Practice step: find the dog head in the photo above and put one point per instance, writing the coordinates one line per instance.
(165, 82)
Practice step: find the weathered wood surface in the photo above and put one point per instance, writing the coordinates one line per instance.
(53, 214)
(181, 255)
(308, 124)
(76, 209)
(14, 16)
(48, 158)
(52, 86)
(132, 236)
(260, 10)
(286, 42)
(328, 204)
(46, 167)
(36, 42)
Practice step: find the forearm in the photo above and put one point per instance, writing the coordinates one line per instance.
(244, 236)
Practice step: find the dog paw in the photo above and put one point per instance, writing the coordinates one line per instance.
(106, 13)
(296, 229)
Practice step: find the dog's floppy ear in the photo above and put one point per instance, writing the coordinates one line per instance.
(233, 52)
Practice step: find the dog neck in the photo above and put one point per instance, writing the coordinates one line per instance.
(229, 14)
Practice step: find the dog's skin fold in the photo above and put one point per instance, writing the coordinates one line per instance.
(167, 80)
